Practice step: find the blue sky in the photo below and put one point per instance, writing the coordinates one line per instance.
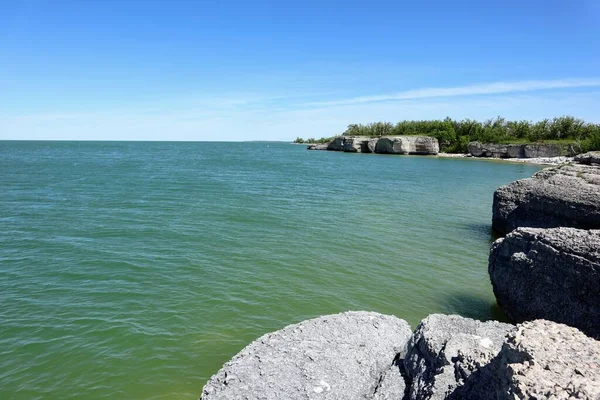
(275, 70)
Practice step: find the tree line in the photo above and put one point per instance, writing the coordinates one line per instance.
(454, 135)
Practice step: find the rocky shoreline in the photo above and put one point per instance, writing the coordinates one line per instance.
(545, 274)
(532, 153)
(538, 161)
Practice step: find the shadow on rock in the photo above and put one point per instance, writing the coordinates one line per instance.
(473, 306)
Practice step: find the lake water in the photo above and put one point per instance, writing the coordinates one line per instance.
(135, 270)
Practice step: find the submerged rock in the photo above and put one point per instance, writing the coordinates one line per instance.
(446, 349)
(539, 360)
(567, 195)
(344, 356)
(551, 274)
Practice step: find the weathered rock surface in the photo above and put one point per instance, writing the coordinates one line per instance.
(371, 144)
(446, 349)
(567, 195)
(539, 360)
(317, 146)
(422, 145)
(336, 144)
(549, 274)
(343, 356)
(589, 158)
(407, 145)
(478, 149)
(534, 150)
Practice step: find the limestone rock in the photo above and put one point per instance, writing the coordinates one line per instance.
(317, 146)
(342, 356)
(592, 157)
(567, 195)
(552, 274)
(533, 150)
(478, 149)
(422, 145)
(353, 144)
(539, 360)
(370, 145)
(391, 385)
(446, 349)
(336, 144)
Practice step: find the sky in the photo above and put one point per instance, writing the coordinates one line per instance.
(276, 70)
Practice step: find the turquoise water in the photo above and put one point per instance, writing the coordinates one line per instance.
(134, 270)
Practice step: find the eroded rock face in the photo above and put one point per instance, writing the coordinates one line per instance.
(422, 145)
(446, 349)
(407, 145)
(534, 150)
(336, 144)
(539, 360)
(354, 144)
(317, 146)
(549, 274)
(343, 356)
(589, 158)
(478, 149)
(567, 195)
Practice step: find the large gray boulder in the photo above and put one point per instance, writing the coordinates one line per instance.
(567, 195)
(550, 274)
(419, 145)
(351, 355)
(446, 349)
(539, 360)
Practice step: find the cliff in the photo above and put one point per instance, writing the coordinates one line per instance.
(529, 150)
(421, 145)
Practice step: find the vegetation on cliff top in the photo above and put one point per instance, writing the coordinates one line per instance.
(455, 135)
(312, 140)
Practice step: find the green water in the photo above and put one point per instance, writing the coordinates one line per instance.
(134, 270)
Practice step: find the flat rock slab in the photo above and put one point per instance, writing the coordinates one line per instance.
(539, 360)
(550, 274)
(567, 195)
(446, 349)
(343, 356)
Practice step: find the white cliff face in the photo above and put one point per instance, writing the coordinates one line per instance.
(422, 145)
(408, 145)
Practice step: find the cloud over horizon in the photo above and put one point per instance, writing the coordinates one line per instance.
(284, 116)
(469, 90)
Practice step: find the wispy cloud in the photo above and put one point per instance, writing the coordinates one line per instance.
(467, 90)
